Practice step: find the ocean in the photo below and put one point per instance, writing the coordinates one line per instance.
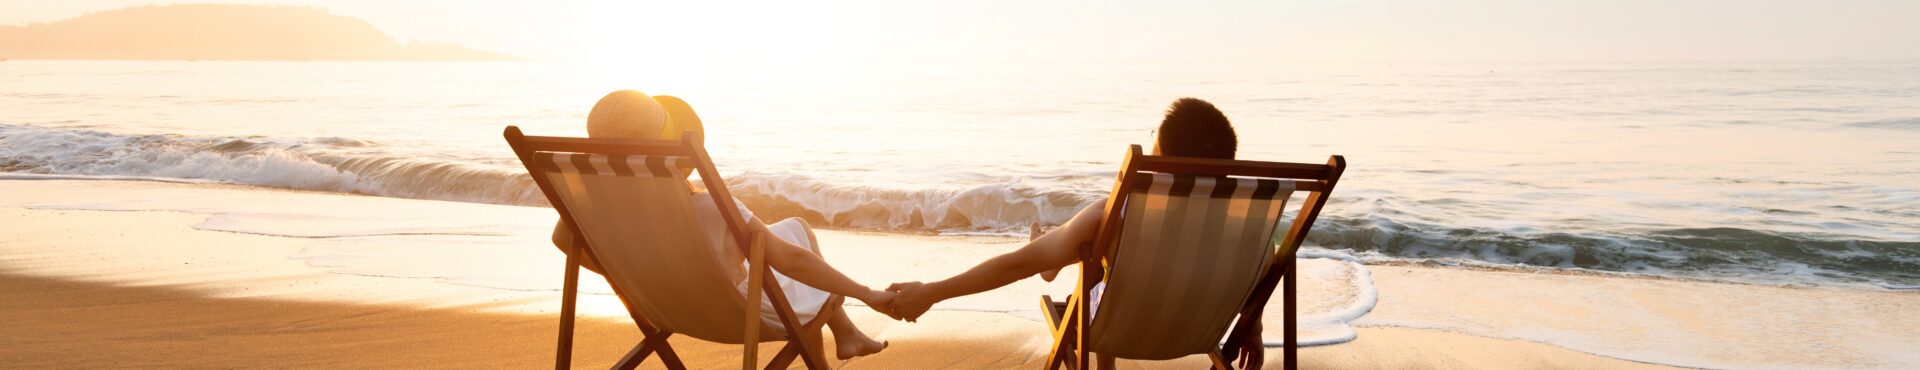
(1772, 173)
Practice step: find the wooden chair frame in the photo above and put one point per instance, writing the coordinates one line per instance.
(759, 273)
(1318, 180)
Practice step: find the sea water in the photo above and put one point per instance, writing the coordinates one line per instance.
(1786, 173)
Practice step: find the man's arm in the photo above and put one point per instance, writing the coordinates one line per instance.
(1053, 250)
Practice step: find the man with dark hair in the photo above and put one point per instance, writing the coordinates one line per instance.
(1193, 128)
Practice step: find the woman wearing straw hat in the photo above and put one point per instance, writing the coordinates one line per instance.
(792, 251)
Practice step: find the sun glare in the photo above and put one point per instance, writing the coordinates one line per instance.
(638, 41)
(1459, 184)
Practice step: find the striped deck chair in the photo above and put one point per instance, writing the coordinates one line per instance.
(1185, 246)
(629, 204)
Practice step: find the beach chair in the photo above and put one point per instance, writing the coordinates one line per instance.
(628, 204)
(1186, 245)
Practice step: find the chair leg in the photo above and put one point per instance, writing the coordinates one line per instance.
(1083, 314)
(1064, 360)
(1063, 327)
(808, 352)
(1061, 357)
(634, 357)
(1104, 362)
(563, 356)
(1218, 363)
(1062, 352)
(813, 332)
(815, 361)
(1292, 334)
(670, 358)
(785, 357)
(1082, 358)
(654, 342)
(817, 345)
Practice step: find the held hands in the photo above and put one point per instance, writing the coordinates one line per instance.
(901, 301)
(911, 301)
(880, 301)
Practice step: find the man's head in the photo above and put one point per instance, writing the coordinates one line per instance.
(1194, 128)
(627, 114)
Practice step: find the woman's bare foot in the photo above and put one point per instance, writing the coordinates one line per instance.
(856, 346)
(849, 341)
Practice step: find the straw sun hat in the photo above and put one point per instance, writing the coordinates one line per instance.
(628, 114)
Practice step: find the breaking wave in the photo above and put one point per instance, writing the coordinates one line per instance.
(321, 164)
(362, 167)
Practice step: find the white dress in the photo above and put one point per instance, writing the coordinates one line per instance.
(806, 300)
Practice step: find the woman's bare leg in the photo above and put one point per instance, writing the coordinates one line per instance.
(849, 342)
(815, 343)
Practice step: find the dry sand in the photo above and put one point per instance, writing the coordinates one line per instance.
(54, 323)
(143, 274)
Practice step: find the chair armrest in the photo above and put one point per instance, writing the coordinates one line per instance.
(756, 276)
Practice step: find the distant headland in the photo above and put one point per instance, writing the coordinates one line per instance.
(219, 32)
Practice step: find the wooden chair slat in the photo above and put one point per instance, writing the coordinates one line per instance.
(1317, 180)
(689, 145)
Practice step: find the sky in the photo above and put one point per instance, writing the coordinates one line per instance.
(1130, 31)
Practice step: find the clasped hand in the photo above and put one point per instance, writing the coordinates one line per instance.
(901, 301)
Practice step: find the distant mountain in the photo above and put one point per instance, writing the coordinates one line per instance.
(218, 32)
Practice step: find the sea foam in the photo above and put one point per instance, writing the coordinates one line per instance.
(1362, 221)
(1344, 288)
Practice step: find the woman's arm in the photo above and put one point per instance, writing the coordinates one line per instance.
(563, 239)
(800, 263)
(1053, 250)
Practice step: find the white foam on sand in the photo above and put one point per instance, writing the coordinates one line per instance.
(1341, 289)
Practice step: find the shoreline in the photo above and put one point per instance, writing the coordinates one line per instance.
(1471, 265)
(1371, 259)
(89, 252)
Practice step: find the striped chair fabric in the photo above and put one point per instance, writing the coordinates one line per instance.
(637, 214)
(1190, 252)
(613, 165)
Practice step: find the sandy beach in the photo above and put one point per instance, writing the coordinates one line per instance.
(1586, 184)
(141, 273)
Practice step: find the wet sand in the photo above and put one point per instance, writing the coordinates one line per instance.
(147, 274)
(55, 323)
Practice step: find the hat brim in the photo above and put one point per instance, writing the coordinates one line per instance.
(680, 118)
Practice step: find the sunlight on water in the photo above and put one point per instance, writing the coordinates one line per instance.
(1779, 172)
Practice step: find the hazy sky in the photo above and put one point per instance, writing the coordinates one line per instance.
(1133, 31)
